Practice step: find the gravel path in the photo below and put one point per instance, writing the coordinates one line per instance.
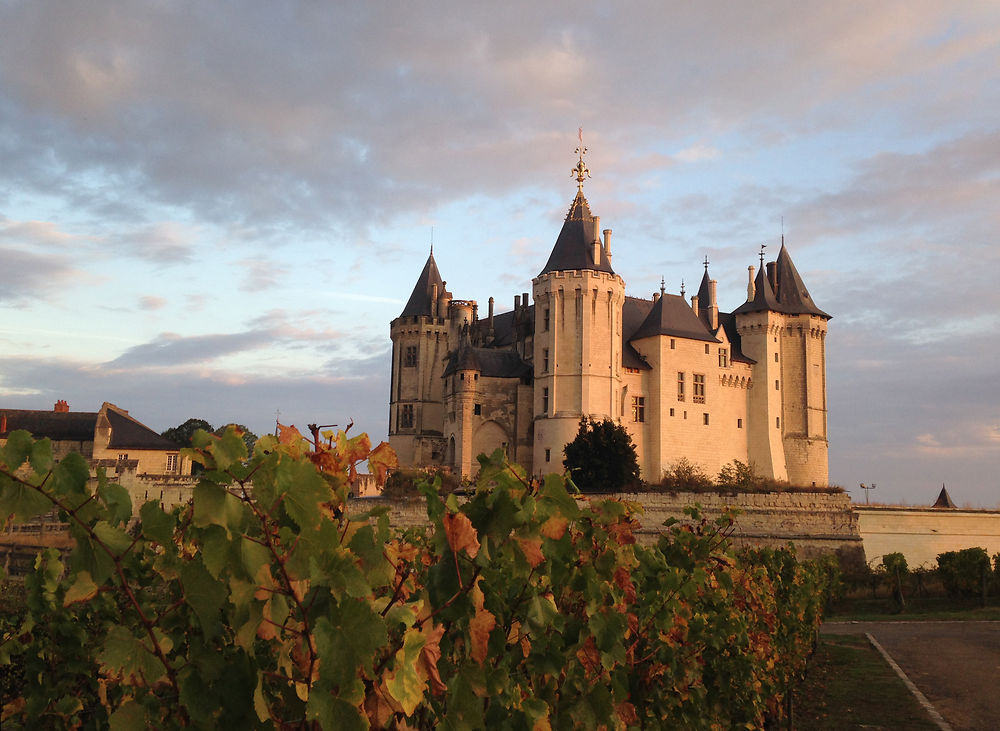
(955, 664)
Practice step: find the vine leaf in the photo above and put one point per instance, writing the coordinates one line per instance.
(403, 682)
(83, 589)
(125, 656)
(203, 593)
(460, 533)
(157, 525)
(532, 550)
(480, 626)
(381, 460)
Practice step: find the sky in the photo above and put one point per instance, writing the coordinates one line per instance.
(214, 210)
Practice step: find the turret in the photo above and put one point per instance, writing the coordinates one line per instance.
(784, 331)
(578, 332)
(419, 344)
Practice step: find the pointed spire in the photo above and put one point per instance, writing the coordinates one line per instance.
(944, 499)
(791, 293)
(579, 238)
(420, 299)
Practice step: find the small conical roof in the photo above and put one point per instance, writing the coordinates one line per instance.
(705, 298)
(944, 500)
(420, 300)
(763, 297)
(574, 248)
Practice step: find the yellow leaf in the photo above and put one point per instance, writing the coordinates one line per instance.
(532, 550)
(554, 527)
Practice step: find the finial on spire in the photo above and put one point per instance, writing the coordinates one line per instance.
(706, 262)
(762, 247)
(663, 285)
(580, 172)
(432, 241)
(682, 288)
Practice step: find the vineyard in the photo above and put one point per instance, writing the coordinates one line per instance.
(521, 606)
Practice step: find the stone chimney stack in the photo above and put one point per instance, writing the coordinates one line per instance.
(491, 314)
(517, 302)
(751, 290)
(61, 407)
(434, 300)
(772, 277)
(656, 296)
(694, 304)
(607, 243)
(713, 304)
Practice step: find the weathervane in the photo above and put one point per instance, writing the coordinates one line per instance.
(580, 172)
(682, 288)
(706, 262)
(762, 247)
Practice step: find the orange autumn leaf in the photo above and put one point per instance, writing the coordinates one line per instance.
(589, 656)
(554, 527)
(461, 534)
(532, 550)
(479, 633)
(288, 434)
(430, 653)
(382, 459)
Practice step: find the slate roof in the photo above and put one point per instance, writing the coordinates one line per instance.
(574, 248)
(671, 315)
(420, 299)
(59, 426)
(789, 295)
(127, 433)
(944, 500)
(727, 321)
(79, 426)
(491, 362)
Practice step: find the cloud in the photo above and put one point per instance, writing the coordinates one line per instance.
(26, 275)
(698, 153)
(152, 302)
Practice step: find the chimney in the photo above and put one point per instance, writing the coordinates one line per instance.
(61, 407)
(517, 302)
(751, 291)
(694, 304)
(434, 300)
(713, 304)
(524, 299)
(656, 296)
(491, 313)
(772, 273)
(607, 243)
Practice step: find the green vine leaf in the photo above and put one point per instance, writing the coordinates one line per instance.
(126, 657)
(204, 594)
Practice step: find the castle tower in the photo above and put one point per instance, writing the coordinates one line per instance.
(784, 331)
(577, 351)
(419, 345)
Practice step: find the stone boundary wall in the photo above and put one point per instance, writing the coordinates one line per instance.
(815, 523)
(921, 534)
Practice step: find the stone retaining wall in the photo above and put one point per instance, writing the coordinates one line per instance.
(816, 523)
(921, 534)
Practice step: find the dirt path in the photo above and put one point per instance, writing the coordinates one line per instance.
(955, 664)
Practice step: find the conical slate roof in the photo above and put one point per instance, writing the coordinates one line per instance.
(944, 500)
(420, 300)
(789, 295)
(763, 297)
(671, 315)
(574, 248)
(792, 293)
(705, 298)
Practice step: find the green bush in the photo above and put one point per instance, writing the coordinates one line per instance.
(965, 572)
(601, 458)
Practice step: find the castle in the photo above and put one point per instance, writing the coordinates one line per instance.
(686, 380)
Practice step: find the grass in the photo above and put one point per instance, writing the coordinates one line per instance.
(849, 686)
(917, 609)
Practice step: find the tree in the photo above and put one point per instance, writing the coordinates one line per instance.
(896, 569)
(182, 433)
(602, 457)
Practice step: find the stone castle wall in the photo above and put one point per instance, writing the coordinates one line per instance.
(815, 523)
(921, 534)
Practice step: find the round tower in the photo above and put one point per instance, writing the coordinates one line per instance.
(578, 332)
